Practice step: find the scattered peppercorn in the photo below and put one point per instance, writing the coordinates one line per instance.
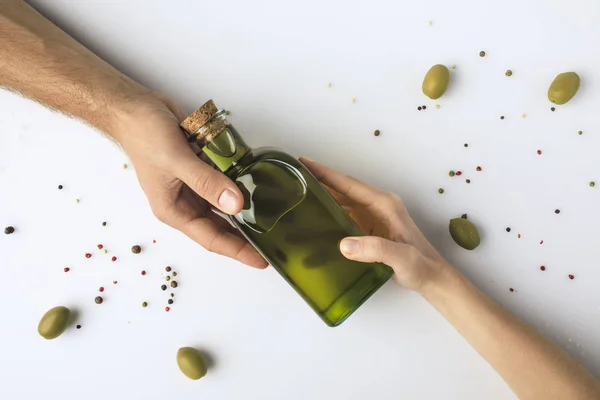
(507, 229)
(67, 269)
(227, 112)
(580, 133)
(144, 304)
(170, 301)
(115, 282)
(458, 173)
(76, 200)
(440, 191)
(377, 132)
(557, 211)
(114, 258)
(478, 168)
(124, 166)
(437, 106)
(167, 278)
(518, 236)
(502, 117)
(168, 269)
(419, 108)
(78, 327)
(508, 72)
(136, 249)
(552, 109)
(571, 277)
(143, 272)
(451, 173)
(424, 107)
(543, 268)
(592, 184)
(104, 223)
(104, 251)
(353, 100)
(174, 273)
(163, 287)
(523, 115)
(468, 181)
(541, 242)
(60, 187)
(100, 247)
(539, 152)
(101, 289)
(173, 284)
(88, 255)
(153, 240)
(9, 230)
(511, 289)
(464, 216)
(167, 309)
(172, 294)
(466, 144)
(98, 300)
(482, 54)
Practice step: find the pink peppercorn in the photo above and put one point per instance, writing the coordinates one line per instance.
(114, 258)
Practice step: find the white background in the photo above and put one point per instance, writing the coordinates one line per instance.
(269, 63)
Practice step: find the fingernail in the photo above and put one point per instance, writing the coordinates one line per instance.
(228, 202)
(350, 246)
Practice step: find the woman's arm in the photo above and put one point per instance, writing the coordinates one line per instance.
(533, 366)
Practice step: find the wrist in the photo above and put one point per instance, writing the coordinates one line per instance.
(446, 279)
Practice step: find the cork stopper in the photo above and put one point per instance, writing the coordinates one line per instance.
(199, 117)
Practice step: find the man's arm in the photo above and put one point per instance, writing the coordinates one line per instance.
(40, 61)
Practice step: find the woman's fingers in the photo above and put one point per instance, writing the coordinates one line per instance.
(375, 249)
(352, 188)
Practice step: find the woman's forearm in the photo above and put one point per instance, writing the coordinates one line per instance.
(533, 366)
(42, 62)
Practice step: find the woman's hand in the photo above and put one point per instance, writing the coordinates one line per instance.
(393, 239)
(179, 186)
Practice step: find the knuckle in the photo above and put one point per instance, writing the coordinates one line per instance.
(202, 184)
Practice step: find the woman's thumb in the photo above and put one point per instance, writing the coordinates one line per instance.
(372, 249)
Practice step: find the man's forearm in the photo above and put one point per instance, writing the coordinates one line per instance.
(42, 62)
(532, 365)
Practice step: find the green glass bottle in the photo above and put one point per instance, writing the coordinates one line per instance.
(290, 218)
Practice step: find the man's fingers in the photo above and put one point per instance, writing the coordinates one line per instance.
(375, 249)
(217, 240)
(354, 189)
(211, 185)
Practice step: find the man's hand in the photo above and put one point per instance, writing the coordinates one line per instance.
(42, 62)
(180, 186)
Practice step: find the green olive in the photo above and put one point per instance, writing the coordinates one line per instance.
(436, 81)
(191, 362)
(54, 322)
(563, 87)
(464, 233)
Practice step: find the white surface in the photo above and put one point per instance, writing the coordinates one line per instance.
(269, 62)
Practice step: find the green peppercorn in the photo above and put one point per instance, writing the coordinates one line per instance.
(173, 284)
(508, 72)
(167, 278)
(172, 294)
(136, 249)
(145, 304)
(168, 269)
(580, 133)
(99, 300)
(592, 184)
(174, 273)
(163, 287)
(451, 173)
(440, 190)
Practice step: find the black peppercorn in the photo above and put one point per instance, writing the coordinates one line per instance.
(377, 132)
(163, 287)
(170, 301)
(104, 224)
(173, 284)
(552, 109)
(60, 187)
(98, 299)
(419, 108)
(507, 229)
(502, 117)
(78, 327)
(466, 145)
(168, 269)
(136, 249)
(9, 230)
(464, 216)
(424, 107)
(557, 211)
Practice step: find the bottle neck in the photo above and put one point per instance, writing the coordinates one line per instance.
(221, 142)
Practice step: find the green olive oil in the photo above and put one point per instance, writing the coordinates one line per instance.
(290, 218)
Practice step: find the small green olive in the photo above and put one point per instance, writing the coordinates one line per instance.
(436, 81)
(563, 87)
(464, 233)
(191, 362)
(54, 322)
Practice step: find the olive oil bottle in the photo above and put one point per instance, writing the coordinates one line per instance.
(290, 218)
